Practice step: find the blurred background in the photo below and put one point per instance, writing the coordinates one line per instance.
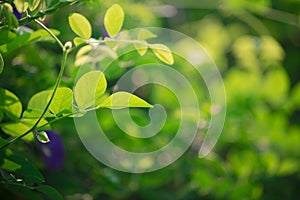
(256, 46)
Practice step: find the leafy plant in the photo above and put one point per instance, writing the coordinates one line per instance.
(48, 106)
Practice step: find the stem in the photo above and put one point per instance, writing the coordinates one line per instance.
(50, 32)
(49, 11)
(116, 40)
(65, 54)
(62, 68)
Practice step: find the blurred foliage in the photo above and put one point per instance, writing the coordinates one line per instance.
(256, 46)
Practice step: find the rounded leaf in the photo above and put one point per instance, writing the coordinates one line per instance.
(141, 47)
(18, 128)
(80, 25)
(62, 101)
(89, 88)
(145, 34)
(37, 104)
(163, 53)
(10, 104)
(120, 100)
(113, 20)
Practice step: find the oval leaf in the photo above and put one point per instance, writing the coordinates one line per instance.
(141, 47)
(120, 100)
(80, 25)
(90, 87)
(10, 103)
(163, 53)
(145, 34)
(10, 165)
(37, 104)
(78, 41)
(21, 6)
(18, 128)
(62, 101)
(33, 4)
(113, 20)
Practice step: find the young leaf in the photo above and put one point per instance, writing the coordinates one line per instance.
(120, 100)
(113, 20)
(62, 101)
(42, 137)
(10, 104)
(22, 126)
(33, 4)
(80, 25)
(26, 38)
(1, 63)
(89, 88)
(145, 34)
(21, 6)
(10, 165)
(163, 53)
(84, 50)
(141, 47)
(37, 104)
(110, 43)
(77, 41)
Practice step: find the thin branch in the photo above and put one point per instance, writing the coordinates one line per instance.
(51, 33)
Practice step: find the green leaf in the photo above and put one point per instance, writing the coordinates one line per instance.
(10, 104)
(78, 41)
(18, 128)
(84, 50)
(26, 38)
(37, 104)
(10, 165)
(42, 137)
(21, 6)
(80, 25)
(113, 20)
(145, 34)
(6, 36)
(120, 100)
(62, 101)
(110, 43)
(27, 172)
(3, 141)
(163, 53)
(50, 192)
(89, 88)
(141, 47)
(33, 4)
(1, 63)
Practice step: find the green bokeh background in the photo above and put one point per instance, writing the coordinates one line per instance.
(256, 46)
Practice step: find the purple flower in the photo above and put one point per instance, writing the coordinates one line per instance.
(105, 34)
(16, 13)
(53, 152)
